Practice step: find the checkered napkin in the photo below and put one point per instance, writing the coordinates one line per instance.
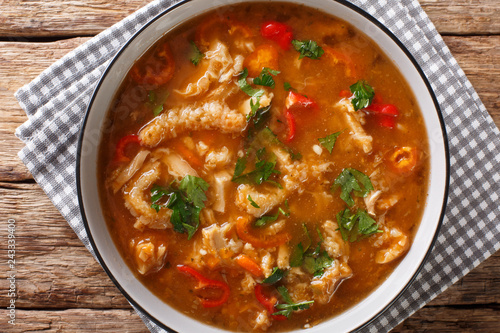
(56, 101)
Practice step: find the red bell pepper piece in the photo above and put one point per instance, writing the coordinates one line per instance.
(295, 99)
(122, 145)
(386, 109)
(278, 32)
(268, 303)
(203, 283)
(385, 114)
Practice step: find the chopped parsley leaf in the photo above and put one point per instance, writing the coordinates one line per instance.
(241, 164)
(282, 211)
(266, 77)
(313, 260)
(317, 264)
(297, 256)
(261, 116)
(290, 306)
(246, 87)
(287, 86)
(196, 54)
(363, 95)
(151, 96)
(267, 136)
(308, 48)
(263, 170)
(329, 141)
(253, 203)
(356, 226)
(186, 202)
(157, 110)
(264, 220)
(276, 275)
(157, 102)
(351, 180)
(319, 234)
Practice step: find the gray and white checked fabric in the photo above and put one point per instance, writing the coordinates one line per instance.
(56, 101)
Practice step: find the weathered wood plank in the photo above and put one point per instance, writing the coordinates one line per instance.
(452, 320)
(81, 320)
(19, 64)
(464, 17)
(23, 18)
(56, 271)
(22, 62)
(39, 18)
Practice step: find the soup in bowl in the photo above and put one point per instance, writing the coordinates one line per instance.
(263, 167)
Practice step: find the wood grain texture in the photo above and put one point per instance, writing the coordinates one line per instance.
(50, 18)
(42, 18)
(54, 269)
(452, 320)
(81, 321)
(20, 63)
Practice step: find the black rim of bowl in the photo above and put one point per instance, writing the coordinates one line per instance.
(342, 2)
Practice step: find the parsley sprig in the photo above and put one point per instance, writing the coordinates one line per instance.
(265, 219)
(196, 54)
(246, 87)
(264, 169)
(313, 260)
(352, 180)
(362, 95)
(253, 203)
(267, 137)
(186, 200)
(157, 102)
(356, 226)
(289, 306)
(276, 275)
(265, 77)
(308, 48)
(329, 141)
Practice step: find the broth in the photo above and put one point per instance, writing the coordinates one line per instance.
(328, 226)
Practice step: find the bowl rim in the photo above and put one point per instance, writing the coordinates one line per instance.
(345, 3)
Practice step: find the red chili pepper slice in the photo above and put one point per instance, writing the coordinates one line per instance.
(295, 99)
(243, 229)
(157, 70)
(268, 303)
(403, 160)
(203, 283)
(278, 32)
(122, 145)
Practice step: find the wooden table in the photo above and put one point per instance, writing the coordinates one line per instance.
(62, 288)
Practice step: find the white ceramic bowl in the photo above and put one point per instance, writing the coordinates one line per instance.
(161, 313)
